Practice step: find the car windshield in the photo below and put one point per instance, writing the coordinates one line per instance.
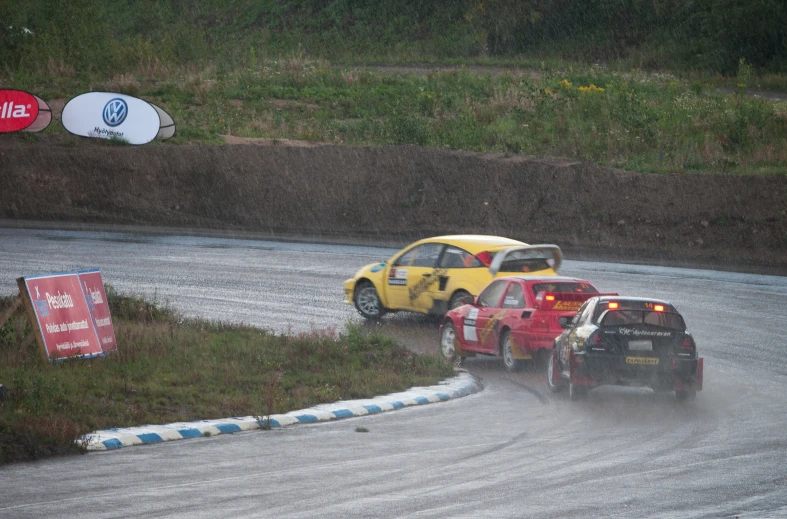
(646, 317)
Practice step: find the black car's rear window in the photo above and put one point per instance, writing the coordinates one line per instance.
(646, 317)
(563, 287)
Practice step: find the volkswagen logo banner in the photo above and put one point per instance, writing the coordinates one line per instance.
(115, 112)
(108, 115)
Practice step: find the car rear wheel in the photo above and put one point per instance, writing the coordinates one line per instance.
(367, 301)
(507, 347)
(456, 299)
(685, 395)
(448, 342)
(552, 367)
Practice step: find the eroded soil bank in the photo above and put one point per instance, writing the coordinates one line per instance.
(399, 193)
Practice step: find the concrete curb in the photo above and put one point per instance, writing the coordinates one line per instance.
(461, 385)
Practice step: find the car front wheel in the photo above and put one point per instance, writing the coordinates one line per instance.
(367, 301)
(448, 342)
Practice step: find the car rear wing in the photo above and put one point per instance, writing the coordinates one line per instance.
(527, 258)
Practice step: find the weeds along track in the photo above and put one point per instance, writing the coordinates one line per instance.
(398, 193)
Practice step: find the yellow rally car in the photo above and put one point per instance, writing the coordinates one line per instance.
(437, 274)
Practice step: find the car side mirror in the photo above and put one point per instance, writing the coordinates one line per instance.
(467, 300)
(565, 322)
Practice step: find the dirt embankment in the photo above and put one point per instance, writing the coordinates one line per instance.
(396, 194)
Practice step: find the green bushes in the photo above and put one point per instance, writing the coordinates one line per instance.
(83, 36)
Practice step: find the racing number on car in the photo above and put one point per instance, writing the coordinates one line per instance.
(469, 325)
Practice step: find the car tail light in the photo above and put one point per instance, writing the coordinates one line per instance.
(659, 308)
(595, 339)
(613, 305)
(688, 344)
(549, 297)
(485, 258)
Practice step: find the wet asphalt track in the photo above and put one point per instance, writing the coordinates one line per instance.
(514, 450)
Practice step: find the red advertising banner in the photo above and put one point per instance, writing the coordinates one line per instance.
(63, 316)
(18, 110)
(96, 298)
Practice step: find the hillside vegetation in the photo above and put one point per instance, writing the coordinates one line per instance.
(585, 81)
(126, 35)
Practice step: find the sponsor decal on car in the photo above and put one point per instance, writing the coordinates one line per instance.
(491, 324)
(397, 277)
(425, 282)
(566, 306)
(469, 325)
(378, 267)
(643, 333)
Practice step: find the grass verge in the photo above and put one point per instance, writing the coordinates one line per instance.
(168, 369)
(653, 123)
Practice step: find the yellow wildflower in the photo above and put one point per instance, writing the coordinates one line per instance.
(565, 84)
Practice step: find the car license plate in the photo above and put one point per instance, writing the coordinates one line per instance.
(642, 360)
(640, 346)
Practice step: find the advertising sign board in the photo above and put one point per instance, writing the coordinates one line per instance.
(167, 128)
(44, 117)
(106, 115)
(96, 297)
(18, 110)
(65, 325)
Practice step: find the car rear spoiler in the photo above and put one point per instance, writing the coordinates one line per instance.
(550, 253)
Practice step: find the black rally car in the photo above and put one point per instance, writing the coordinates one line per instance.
(626, 341)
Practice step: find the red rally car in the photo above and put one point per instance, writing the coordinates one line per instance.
(515, 317)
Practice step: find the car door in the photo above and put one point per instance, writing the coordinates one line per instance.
(516, 317)
(412, 278)
(481, 323)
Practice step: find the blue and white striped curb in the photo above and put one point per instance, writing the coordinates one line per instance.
(461, 385)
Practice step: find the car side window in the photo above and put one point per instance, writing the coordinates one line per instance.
(580, 313)
(426, 255)
(456, 258)
(515, 296)
(587, 312)
(492, 294)
(405, 259)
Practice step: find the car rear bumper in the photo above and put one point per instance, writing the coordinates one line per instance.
(669, 373)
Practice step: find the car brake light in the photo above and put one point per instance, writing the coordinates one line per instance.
(485, 258)
(613, 305)
(659, 308)
(688, 344)
(549, 297)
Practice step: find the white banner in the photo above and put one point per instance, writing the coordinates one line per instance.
(106, 115)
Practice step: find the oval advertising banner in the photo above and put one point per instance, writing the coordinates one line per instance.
(108, 115)
(18, 110)
(167, 128)
(43, 119)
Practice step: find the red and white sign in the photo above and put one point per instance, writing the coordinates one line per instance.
(96, 297)
(63, 316)
(18, 110)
